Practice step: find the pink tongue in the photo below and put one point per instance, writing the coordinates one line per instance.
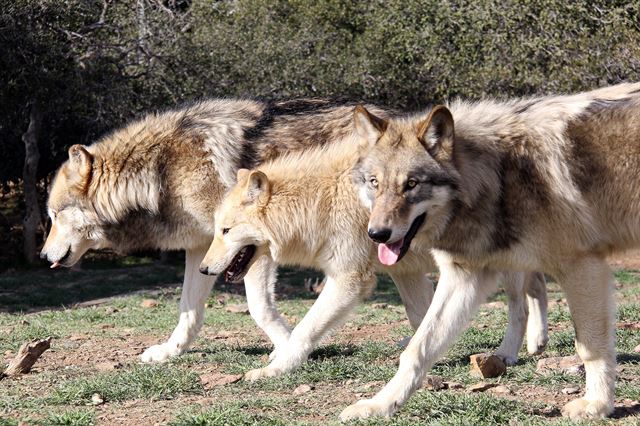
(388, 254)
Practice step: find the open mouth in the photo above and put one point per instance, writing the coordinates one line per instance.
(60, 262)
(390, 254)
(238, 268)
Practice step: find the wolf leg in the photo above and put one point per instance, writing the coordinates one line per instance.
(338, 298)
(457, 297)
(537, 326)
(589, 289)
(416, 292)
(514, 286)
(195, 290)
(259, 284)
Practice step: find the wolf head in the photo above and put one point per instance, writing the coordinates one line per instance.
(239, 235)
(74, 223)
(406, 177)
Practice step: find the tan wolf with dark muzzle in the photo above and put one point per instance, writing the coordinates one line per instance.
(546, 184)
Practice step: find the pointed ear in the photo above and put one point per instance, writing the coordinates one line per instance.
(368, 126)
(436, 132)
(241, 173)
(79, 168)
(258, 189)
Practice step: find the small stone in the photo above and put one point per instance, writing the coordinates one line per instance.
(207, 306)
(571, 390)
(501, 390)
(434, 383)
(24, 322)
(302, 389)
(217, 379)
(108, 366)
(350, 382)
(481, 387)
(637, 349)
(96, 399)
(565, 364)
(149, 303)
(241, 308)
(485, 365)
(454, 385)
(111, 310)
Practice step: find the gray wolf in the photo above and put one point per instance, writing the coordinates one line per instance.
(155, 183)
(541, 184)
(303, 209)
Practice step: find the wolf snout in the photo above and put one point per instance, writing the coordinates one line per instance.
(379, 235)
(43, 255)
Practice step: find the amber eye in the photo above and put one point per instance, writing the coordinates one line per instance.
(373, 181)
(411, 183)
(225, 231)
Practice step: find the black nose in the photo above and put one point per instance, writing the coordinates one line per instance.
(380, 235)
(204, 269)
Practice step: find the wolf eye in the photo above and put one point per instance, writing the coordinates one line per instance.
(225, 231)
(373, 181)
(411, 183)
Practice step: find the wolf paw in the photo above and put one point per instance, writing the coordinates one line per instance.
(537, 343)
(582, 408)
(160, 353)
(260, 373)
(508, 360)
(364, 409)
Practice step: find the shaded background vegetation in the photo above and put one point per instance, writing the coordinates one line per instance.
(92, 65)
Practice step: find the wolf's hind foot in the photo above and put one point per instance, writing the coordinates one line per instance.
(508, 359)
(260, 373)
(160, 353)
(582, 408)
(536, 344)
(364, 409)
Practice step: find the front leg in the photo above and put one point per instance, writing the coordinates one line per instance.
(259, 284)
(514, 286)
(195, 290)
(332, 308)
(458, 295)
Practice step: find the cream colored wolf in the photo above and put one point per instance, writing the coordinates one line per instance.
(543, 184)
(303, 209)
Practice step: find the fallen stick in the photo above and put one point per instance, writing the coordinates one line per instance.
(27, 355)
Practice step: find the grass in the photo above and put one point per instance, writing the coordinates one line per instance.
(351, 365)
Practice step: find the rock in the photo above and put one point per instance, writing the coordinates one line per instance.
(486, 365)
(111, 310)
(481, 387)
(433, 383)
(570, 390)
(241, 308)
(454, 385)
(212, 380)
(149, 303)
(108, 366)
(96, 399)
(501, 390)
(564, 364)
(637, 349)
(302, 389)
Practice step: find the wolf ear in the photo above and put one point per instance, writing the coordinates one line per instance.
(79, 168)
(241, 173)
(368, 126)
(436, 132)
(258, 189)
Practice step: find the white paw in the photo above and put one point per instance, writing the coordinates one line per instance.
(582, 408)
(537, 343)
(365, 408)
(160, 353)
(260, 373)
(508, 360)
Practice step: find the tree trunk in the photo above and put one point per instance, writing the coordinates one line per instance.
(32, 218)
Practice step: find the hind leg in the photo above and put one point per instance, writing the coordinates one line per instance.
(514, 285)
(589, 288)
(195, 290)
(416, 292)
(537, 326)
